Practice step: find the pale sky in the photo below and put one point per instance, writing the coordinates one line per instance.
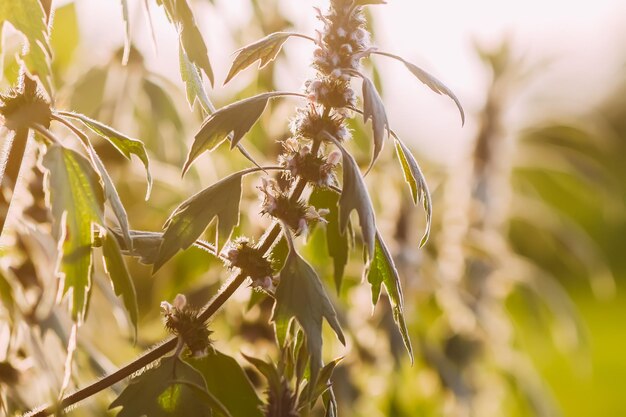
(584, 41)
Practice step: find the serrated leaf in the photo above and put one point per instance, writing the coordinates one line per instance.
(120, 141)
(164, 391)
(193, 83)
(417, 183)
(354, 196)
(120, 278)
(125, 17)
(27, 16)
(301, 294)
(189, 220)
(227, 381)
(76, 199)
(430, 81)
(338, 244)
(381, 270)
(264, 50)
(373, 108)
(238, 118)
(179, 13)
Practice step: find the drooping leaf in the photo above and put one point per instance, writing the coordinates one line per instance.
(164, 391)
(227, 381)
(123, 143)
(373, 108)
(264, 50)
(193, 83)
(126, 18)
(430, 81)
(109, 188)
(27, 16)
(354, 196)
(381, 270)
(179, 13)
(120, 278)
(238, 118)
(337, 243)
(301, 294)
(76, 200)
(417, 183)
(191, 218)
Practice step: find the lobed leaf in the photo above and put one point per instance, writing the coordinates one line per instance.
(191, 218)
(381, 270)
(76, 199)
(301, 294)
(264, 50)
(354, 196)
(28, 17)
(430, 81)
(338, 244)
(417, 183)
(179, 13)
(373, 108)
(123, 143)
(238, 118)
(120, 278)
(166, 390)
(227, 381)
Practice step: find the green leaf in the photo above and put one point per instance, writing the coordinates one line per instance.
(338, 244)
(301, 294)
(123, 143)
(227, 381)
(65, 36)
(145, 245)
(120, 278)
(187, 223)
(124, 4)
(193, 83)
(430, 81)
(27, 16)
(164, 391)
(381, 270)
(417, 183)
(264, 50)
(374, 108)
(238, 118)
(354, 196)
(76, 199)
(179, 13)
(267, 369)
(6, 294)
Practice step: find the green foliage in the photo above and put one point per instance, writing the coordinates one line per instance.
(76, 199)
(123, 143)
(28, 17)
(227, 381)
(382, 270)
(417, 183)
(120, 278)
(301, 294)
(373, 108)
(192, 217)
(173, 388)
(264, 50)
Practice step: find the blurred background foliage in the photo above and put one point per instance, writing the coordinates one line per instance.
(515, 306)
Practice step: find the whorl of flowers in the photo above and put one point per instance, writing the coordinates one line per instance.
(252, 262)
(183, 321)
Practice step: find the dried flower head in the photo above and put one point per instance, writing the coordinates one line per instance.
(252, 262)
(295, 214)
(183, 321)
